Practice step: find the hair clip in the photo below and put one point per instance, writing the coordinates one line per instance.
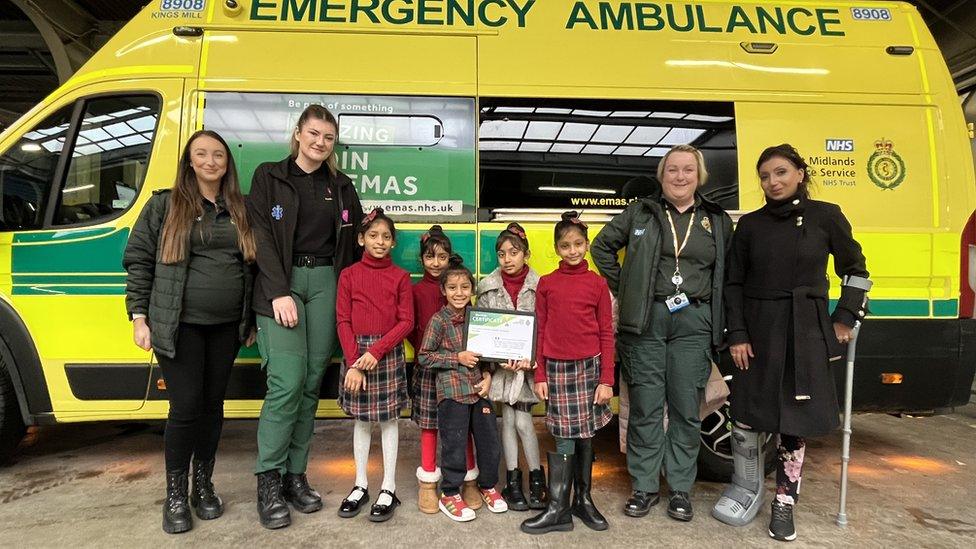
(424, 238)
(517, 232)
(368, 218)
(578, 221)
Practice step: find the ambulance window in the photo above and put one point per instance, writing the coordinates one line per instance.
(109, 158)
(27, 172)
(596, 154)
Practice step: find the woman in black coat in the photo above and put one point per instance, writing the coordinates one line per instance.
(188, 294)
(781, 336)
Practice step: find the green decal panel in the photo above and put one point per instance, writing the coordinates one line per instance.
(65, 252)
(945, 307)
(413, 156)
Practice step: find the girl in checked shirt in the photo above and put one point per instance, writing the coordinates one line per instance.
(462, 409)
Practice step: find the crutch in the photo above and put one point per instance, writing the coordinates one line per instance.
(845, 456)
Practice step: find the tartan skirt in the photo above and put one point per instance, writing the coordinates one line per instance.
(570, 412)
(424, 411)
(386, 385)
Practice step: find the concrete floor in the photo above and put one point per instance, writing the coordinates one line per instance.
(102, 485)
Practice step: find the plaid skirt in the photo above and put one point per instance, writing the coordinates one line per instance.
(386, 385)
(424, 411)
(570, 412)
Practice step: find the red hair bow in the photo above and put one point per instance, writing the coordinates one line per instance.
(368, 218)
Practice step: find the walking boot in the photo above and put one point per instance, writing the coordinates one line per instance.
(203, 498)
(558, 515)
(583, 506)
(176, 508)
(429, 495)
(538, 493)
(299, 494)
(512, 492)
(272, 509)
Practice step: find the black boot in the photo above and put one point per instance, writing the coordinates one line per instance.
(203, 498)
(512, 492)
(538, 493)
(300, 495)
(558, 515)
(272, 509)
(176, 508)
(582, 503)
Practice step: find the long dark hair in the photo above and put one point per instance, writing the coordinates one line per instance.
(570, 221)
(789, 153)
(318, 112)
(515, 234)
(186, 204)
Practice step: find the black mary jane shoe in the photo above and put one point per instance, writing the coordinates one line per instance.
(679, 506)
(383, 513)
(640, 503)
(350, 508)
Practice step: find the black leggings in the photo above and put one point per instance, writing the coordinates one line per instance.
(196, 380)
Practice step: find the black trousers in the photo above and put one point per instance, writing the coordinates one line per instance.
(454, 422)
(196, 380)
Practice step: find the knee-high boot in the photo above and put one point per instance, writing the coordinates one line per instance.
(558, 516)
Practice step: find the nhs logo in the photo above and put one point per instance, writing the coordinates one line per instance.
(840, 145)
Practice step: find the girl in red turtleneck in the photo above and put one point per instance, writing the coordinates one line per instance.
(374, 313)
(574, 372)
(428, 299)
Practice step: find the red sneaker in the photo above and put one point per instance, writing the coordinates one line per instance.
(495, 502)
(455, 508)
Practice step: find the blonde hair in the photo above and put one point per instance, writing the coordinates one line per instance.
(702, 171)
(319, 113)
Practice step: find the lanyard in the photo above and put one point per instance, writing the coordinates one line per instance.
(677, 279)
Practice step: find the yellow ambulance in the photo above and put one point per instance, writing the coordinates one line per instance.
(471, 113)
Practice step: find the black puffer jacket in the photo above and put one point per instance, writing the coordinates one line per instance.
(155, 289)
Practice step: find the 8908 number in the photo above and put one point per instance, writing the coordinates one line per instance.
(871, 14)
(182, 5)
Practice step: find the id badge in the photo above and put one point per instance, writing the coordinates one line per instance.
(677, 302)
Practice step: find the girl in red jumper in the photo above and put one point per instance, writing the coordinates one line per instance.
(574, 373)
(374, 313)
(435, 250)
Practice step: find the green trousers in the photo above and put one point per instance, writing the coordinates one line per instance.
(294, 361)
(670, 363)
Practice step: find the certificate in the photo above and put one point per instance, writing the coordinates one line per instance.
(499, 335)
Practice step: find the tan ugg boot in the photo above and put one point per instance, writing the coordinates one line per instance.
(429, 493)
(470, 492)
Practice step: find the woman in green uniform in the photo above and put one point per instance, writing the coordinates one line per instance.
(303, 210)
(669, 290)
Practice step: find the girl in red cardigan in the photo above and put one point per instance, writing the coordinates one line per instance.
(428, 299)
(574, 372)
(374, 313)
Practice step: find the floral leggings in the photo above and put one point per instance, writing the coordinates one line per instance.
(789, 468)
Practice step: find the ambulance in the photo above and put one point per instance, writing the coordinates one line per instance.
(473, 113)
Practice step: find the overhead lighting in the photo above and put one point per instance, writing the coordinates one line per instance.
(577, 190)
(79, 188)
(31, 147)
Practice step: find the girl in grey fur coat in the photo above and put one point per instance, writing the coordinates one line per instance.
(512, 286)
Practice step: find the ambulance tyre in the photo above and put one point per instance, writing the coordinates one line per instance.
(715, 454)
(12, 427)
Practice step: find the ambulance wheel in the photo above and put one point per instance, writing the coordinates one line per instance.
(12, 427)
(715, 454)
